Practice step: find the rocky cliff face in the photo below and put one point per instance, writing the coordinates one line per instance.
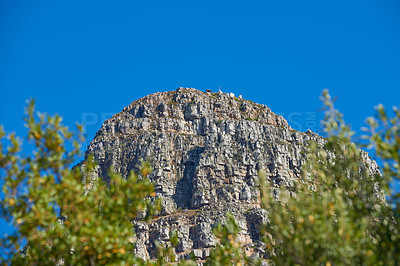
(206, 150)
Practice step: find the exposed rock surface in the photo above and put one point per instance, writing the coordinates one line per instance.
(206, 150)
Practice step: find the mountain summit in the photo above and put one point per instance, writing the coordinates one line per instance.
(205, 150)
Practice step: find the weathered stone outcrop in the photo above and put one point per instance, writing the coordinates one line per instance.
(206, 150)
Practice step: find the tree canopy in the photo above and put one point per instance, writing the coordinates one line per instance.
(341, 212)
(63, 214)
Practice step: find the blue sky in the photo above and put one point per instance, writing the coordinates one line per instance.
(92, 58)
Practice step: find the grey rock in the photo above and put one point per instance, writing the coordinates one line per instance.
(206, 150)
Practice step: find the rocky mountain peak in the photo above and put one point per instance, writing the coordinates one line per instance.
(189, 104)
(206, 150)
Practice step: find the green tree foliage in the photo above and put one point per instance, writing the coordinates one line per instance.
(338, 214)
(60, 213)
(383, 137)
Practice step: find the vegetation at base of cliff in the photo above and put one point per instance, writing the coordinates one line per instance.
(65, 214)
(337, 215)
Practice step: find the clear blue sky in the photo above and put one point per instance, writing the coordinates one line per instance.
(95, 57)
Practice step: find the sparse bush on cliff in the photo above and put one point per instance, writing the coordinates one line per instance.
(229, 250)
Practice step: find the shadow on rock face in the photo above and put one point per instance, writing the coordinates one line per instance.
(184, 186)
